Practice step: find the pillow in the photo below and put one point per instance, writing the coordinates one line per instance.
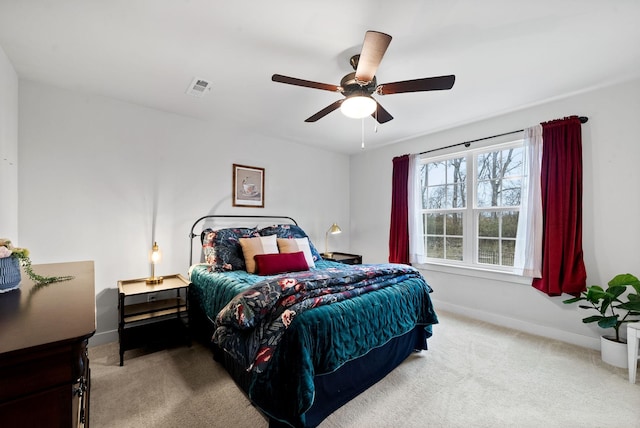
(258, 245)
(293, 245)
(273, 264)
(221, 248)
(290, 231)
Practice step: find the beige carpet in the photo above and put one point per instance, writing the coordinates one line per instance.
(474, 375)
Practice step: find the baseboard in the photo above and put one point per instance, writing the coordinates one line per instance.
(527, 327)
(103, 337)
(516, 324)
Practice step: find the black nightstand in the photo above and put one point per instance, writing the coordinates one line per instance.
(348, 259)
(152, 321)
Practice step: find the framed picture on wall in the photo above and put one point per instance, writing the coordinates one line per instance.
(248, 186)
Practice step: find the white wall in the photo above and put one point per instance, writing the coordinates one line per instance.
(8, 150)
(97, 174)
(611, 203)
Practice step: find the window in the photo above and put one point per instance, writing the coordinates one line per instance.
(471, 204)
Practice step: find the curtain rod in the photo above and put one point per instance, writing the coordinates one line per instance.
(583, 119)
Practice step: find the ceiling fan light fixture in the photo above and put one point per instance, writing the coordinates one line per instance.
(358, 106)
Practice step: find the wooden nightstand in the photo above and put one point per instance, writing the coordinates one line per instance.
(146, 321)
(348, 259)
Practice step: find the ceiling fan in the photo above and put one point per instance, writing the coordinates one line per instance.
(359, 86)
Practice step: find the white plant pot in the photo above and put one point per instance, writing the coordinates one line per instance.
(614, 353)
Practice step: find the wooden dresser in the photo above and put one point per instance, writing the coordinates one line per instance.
(44, 366)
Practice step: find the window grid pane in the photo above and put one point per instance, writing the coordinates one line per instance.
(499, 178)
(444, 184)
(444, 238)
(496, 237)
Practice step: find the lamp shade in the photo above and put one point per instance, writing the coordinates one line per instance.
(358, 106)
(154, 257)
(334, 229)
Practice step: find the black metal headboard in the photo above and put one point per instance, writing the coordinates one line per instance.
(214, 216)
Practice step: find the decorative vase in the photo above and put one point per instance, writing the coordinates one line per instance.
(613, 353)
(9, 274)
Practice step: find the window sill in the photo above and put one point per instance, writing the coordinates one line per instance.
(476, 272)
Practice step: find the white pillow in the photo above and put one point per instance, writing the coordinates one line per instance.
(293, 245)
(258, 245)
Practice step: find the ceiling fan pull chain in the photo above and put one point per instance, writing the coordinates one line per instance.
(362, 146)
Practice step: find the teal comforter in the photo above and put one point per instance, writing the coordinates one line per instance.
(320, 338)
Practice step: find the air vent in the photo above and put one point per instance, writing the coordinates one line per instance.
(198, 87)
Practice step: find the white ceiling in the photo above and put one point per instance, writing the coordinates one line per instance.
(506, 54)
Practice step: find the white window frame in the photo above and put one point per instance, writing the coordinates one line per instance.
(469, 265)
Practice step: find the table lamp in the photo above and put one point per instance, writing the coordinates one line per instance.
(334, 229)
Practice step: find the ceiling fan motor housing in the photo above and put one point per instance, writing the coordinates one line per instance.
(350, 86)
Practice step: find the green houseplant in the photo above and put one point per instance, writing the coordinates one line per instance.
(614, 307)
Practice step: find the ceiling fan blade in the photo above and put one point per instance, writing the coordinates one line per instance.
(381, 115)
(373, 49)
(325, 111)
(417, 85)
(305, 83)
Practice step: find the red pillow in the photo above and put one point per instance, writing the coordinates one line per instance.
(272, 264)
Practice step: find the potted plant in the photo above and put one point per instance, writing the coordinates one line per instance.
(11, 258)
(616, 305)
(10, 265)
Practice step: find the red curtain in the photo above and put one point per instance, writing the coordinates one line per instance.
(563, 269)
(399, 230)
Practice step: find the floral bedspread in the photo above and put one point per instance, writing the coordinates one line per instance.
(264, 311)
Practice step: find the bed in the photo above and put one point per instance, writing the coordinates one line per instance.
(300, 335)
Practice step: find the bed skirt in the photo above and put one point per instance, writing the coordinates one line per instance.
(333, 390)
